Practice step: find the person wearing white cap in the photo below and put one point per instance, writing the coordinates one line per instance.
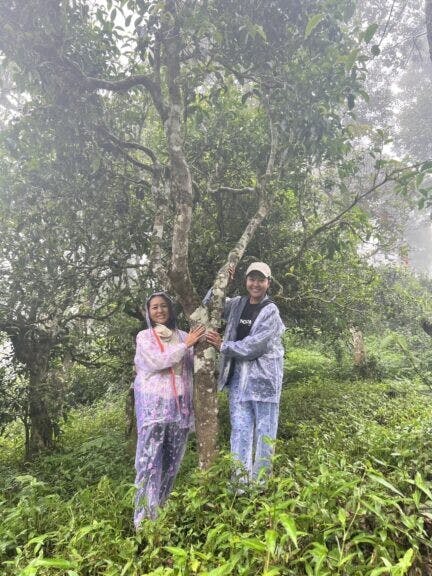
(251, 367)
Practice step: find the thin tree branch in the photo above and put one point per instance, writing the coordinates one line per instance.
(221, 283)
(358, 198)
(134, 145)
(245, 190)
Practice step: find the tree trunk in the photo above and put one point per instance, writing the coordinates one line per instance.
(42, 427)
(206, 405)
(428, 18)
(205, 395)
(359, 349)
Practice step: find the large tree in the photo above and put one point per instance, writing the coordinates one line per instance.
(65, 252)
(203, 105)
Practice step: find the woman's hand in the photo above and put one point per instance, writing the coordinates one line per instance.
(194, 335)
(214, 338)
(231, 272)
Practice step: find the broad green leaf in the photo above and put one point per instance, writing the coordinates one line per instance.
(290, 527)
(271, 539)
(386, 483)
(176, 551)
(253, 544)
(420, 483)
(223, 570)
(406, 561)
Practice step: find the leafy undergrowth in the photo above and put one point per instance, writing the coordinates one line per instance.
(351, 495)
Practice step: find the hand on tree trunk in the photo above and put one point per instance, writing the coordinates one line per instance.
(214, 338)
(195, 335)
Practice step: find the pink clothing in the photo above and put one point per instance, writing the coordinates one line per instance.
(157, 399)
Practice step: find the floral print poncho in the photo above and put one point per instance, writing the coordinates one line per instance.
(163, 383)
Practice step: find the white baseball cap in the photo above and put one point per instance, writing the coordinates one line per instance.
(259, 267)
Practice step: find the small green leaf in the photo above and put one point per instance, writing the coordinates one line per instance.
(370, 32)
(312, 24)
(342, 516)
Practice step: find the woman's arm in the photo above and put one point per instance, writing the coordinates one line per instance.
(228, 301)
(254, 345)
(152, 358)
(155, 359)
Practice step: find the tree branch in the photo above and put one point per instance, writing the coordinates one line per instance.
(181, 181)
(160, 191)
(122, 85)
(134, 145)
(245, 190)
(388, 177)
(221, 283)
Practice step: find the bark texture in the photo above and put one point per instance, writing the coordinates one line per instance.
(359, 350)
(181, 181)
(41, 424)
(428, 17)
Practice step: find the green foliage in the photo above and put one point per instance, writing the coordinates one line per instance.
(305, 364)
(351, 495)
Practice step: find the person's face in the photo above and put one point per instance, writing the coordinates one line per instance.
(257, 285)
(159, 310)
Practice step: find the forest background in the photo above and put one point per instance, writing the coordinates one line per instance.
(148, 145)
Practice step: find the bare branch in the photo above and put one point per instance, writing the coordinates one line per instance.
(133, 145)
(388, 177)
(245, 190)
(221, 282)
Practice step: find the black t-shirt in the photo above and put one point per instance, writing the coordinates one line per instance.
(248, 317)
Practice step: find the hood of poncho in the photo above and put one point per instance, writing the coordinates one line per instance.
(171, 310)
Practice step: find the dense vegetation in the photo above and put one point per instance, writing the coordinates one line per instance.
(351, 491)
(151, 143)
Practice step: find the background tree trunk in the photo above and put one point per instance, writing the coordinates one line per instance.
(41, 424)
(428, 18)
(359, 350)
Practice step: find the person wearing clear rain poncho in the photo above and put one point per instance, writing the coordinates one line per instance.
(251, 367)
(163, 403)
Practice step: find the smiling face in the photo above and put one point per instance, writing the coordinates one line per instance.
(159, 311)
(257, 285)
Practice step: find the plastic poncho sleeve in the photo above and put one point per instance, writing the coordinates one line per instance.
(256, 344)
(153, 358)
(227, 304)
